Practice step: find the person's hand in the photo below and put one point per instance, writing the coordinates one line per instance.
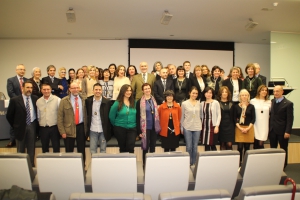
(61, 87)
(141, 135)
(216, 130)
(64, 135)
(181, 130)
(287, 135)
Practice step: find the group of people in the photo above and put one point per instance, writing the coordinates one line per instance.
(203, 106)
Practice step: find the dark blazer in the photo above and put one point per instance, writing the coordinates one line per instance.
(194, 82)
(158, 89)
(13, 86)
(36, 89)
(16, 115)
(228, 84)
(104, 113)
(55, 90)
(281, 117)
(191, 74)
(263, 79)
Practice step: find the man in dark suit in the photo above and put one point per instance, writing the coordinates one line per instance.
(139, 79)
(281, 121)
(187, 66)
(54, 82)
(98, 124)
(172, 71)
(162, 85)
(21, 115)
(14, 88)
(257, 74)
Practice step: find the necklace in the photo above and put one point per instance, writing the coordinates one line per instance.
(150, 104)
(250, 82)
(179, 85)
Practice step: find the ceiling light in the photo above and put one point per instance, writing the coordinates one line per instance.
(166, 18)
(250, 25)
(71, 15)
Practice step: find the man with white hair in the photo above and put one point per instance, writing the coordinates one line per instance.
(14, 88)
(257, 74)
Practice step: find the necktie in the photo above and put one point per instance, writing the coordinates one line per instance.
(144, 77)
(187, 75)
(52, 79)
(164, 83)
(21, 83)
(28, 117)
(76, 111)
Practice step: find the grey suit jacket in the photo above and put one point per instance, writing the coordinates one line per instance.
(13, 86)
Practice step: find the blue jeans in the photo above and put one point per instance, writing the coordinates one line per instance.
(95, 137)
(191, 140)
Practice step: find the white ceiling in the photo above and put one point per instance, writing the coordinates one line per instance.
(206, 20)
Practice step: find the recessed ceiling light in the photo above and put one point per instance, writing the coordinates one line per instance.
(275, 4)
(273, 42)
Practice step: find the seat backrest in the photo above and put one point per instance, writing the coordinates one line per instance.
(60, 173)
(195, 195)
(262, 167)
(111, 196)
(15, 169)
(216, 170)
(269, 192)
(166, 172)
(113, 173)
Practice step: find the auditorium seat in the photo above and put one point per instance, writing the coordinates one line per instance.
(216, 170)
(16, 169)
(60, 173)
(110, 196)
(197, 194)
(166, 172)
(113, 173)
(262, 167)
(269, 192)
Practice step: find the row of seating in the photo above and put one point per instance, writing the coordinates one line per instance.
(63, 173)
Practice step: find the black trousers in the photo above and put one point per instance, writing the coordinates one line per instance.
(126, 138)
(275, 139)
(50, 133)
(80, 141)
(151, 142)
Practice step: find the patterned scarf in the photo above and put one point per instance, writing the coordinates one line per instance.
(243, 114)
(143, 120)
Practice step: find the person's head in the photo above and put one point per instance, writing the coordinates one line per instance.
(143, 67)
(71, 73)
(27, 88)
(244, 96)
(222, 72)
(146, 88)
(257, 68)
(91, 71)
(234, 72)
(46, 90)
(180, 71)
(85, 70)
(241, 75)
(36, 73)
(197, 71)
(278, 91)
(131, 71)
(164, 73)
(121, 70)
(209, 93)
(157, 66)
(169, 96)
(62, 72)
(187, 66)
(172, 69)
(262, 91)
(106, 73)
(224, 93)
(205, 70)
(97, 90)
(97, 72)
(125, 92)
(20, 70)
(74, 89)
(51, 70)
(100, 76)
(250, 69)
(112, 69)
(193, 93)
(215, 71)
(80, 73)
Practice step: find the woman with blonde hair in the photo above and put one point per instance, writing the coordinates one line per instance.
(62, 75)
(234, 84)
(244, 116)
(89, 81)
(198, 81)
(79, 78)
(262, 106)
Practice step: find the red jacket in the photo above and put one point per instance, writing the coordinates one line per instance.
(164, 114)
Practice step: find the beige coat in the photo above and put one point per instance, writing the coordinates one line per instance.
(65, 117)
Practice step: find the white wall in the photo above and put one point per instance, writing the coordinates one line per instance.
(285, 59)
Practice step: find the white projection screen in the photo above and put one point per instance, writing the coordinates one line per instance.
(222, 58)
